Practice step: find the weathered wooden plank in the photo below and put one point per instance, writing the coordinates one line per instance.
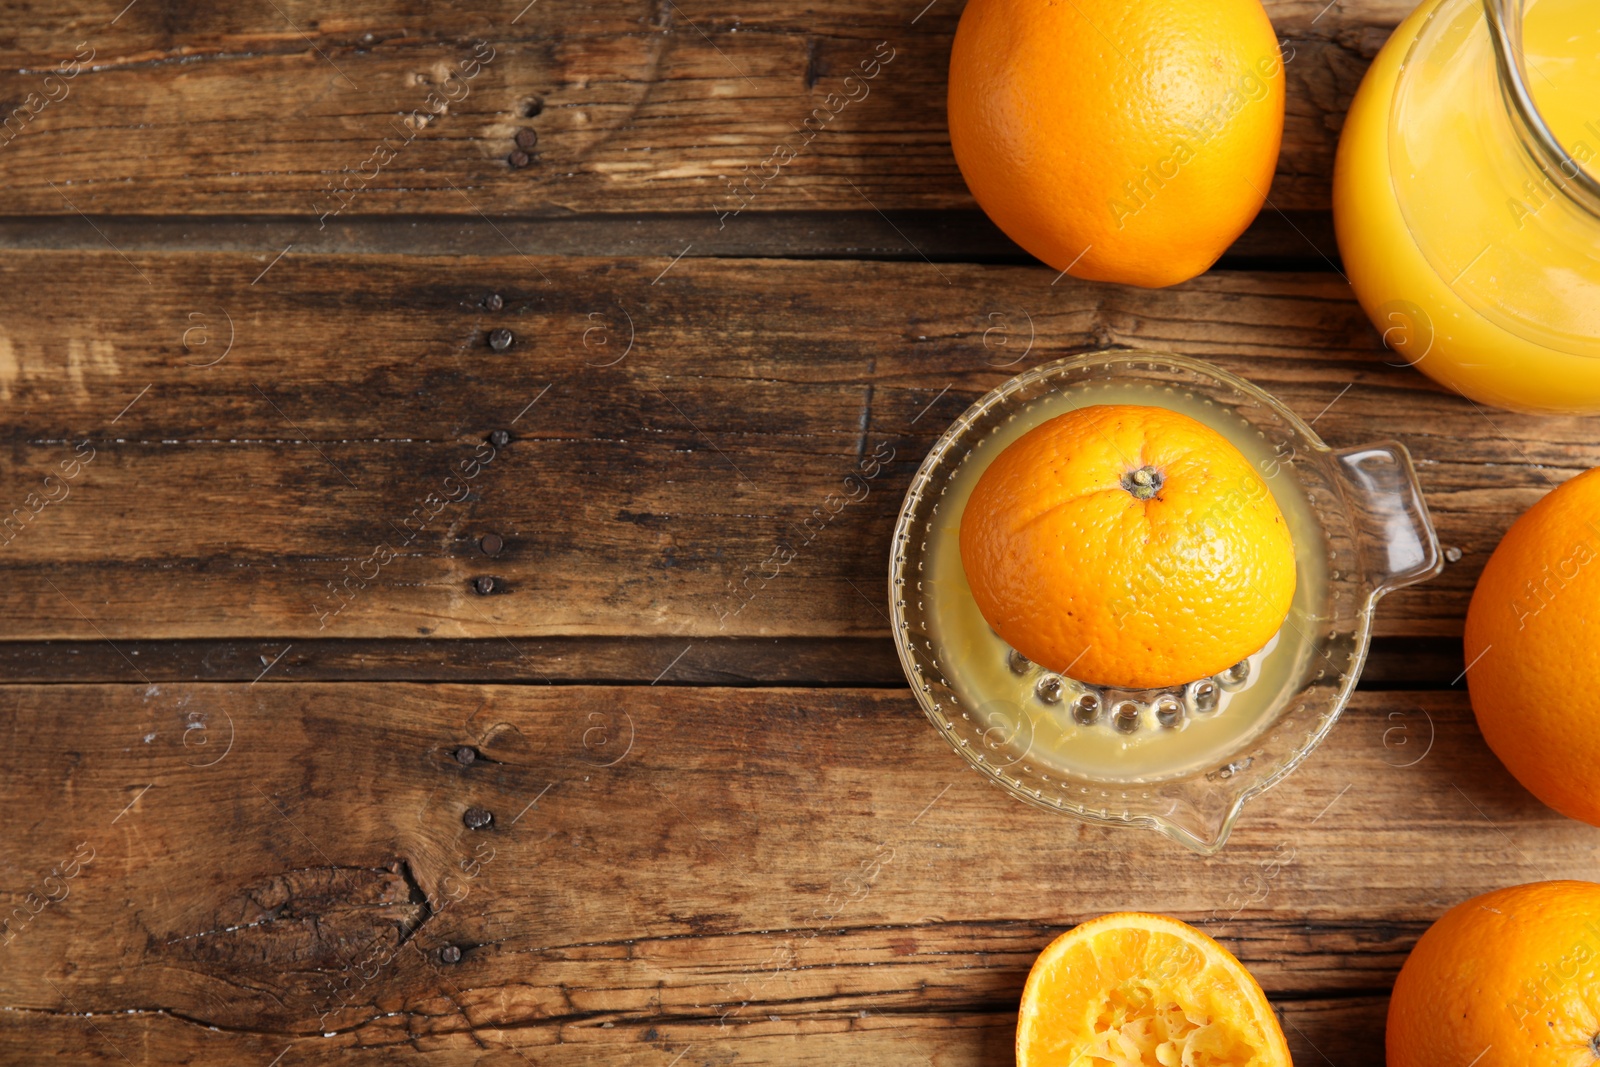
(329, 442)
(1392, 662)
(639, 487)
(635, 105)
(1341, 1031)
(290, 860)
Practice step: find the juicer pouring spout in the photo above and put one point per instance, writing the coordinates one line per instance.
(1396, 543)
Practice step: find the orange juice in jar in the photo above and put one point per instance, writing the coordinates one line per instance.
(1467, 204)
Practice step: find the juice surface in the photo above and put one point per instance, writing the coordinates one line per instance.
(1561, 46)
(973, 657)
(1477, 270)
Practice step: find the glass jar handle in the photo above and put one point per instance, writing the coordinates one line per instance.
(1398, 546)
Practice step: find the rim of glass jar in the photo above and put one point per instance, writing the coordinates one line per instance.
(1568, 175)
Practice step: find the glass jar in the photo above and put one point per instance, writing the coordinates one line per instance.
(1466, 203)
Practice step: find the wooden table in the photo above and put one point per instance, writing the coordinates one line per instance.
(404, 407)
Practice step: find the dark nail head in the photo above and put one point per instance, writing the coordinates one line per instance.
(466, 755)
(450, 954)
(527, 138)
(518, 159)
(477, 818)
(491, 544)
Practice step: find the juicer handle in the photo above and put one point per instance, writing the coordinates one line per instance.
(1398, 546)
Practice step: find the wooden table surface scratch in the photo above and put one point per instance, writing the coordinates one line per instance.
(402, 403)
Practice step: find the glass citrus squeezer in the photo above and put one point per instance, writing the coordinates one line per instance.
(1467, 199)
(1181, 760)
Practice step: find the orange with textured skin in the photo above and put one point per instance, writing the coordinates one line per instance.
(1508, 979)
(1121, 141)
(1135, 990)
(1127, 546)
(1533, 648)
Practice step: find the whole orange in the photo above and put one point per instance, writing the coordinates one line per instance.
(1508, 979)
(1533, 649)
(1127, 546)
(1134, 988)
(1119, 140)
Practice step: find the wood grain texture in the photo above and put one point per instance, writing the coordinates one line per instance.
(644, 487)
(729, 869)
(636, 105)
(1340, 1031)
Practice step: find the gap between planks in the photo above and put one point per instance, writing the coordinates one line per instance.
(1394, 663)
(1294, 240)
